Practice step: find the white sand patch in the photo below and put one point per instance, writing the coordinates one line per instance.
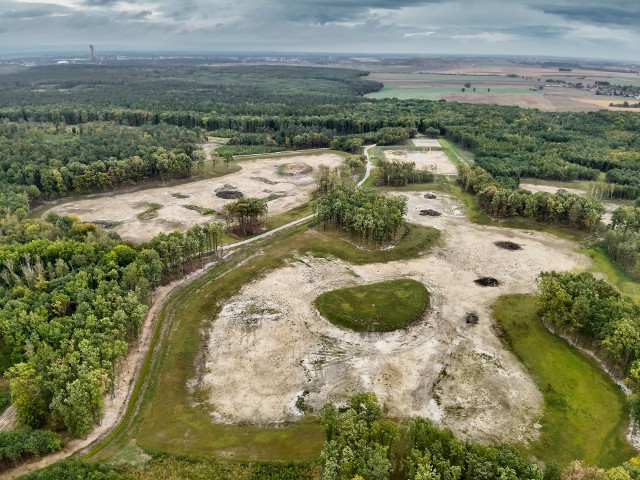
(258, 178)
(549, 188)
(426, 142)
(435, 160)
(255, 370)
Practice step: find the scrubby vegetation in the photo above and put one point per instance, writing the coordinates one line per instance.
(16, 445)
(376, 307)
(361, 443)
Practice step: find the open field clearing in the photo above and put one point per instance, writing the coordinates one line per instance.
(138, 216)
(427, 142)
(573, 408)
(268, 347)
(490, 84)
(436, 161)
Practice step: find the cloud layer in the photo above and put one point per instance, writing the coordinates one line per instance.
(538, 27)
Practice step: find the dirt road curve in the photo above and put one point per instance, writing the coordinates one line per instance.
(128, 370)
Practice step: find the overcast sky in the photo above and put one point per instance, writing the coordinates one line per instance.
(585, 28)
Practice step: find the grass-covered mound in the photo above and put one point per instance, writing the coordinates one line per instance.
(377, 307)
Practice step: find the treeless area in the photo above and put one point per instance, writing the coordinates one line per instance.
(179, 206)
(269, 345)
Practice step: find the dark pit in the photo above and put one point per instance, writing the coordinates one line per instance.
(430, 213)
(228, 192)
(486, 282)
(471, 318)
(508, 245)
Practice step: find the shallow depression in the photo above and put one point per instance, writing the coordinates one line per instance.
(255, 374)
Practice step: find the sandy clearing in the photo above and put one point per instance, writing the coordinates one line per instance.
(435, 160)
(427, 142)
(549, 188)
(258, 178)
(609, 206)
(269, 344)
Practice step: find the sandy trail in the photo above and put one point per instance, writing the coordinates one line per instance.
(126, 375)
(435, 160)
(258, 178)
(269, 344)
(8, 419)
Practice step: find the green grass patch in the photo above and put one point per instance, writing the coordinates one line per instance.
(180, 195)
(602, 263)
(413, 241)
(274, 196)
(585, 415)
(150, 212)
(207, 469)
(200, 210)
(376, 307)
(456, 154)
(165, 415)
(293, 169)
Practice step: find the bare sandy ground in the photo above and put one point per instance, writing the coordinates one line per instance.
(426, 142)
(258, 178)
(435, 160)
(609, 206)
(269, 344)
(549, 188)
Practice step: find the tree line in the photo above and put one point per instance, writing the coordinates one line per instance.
(622, 240)
(561, 208)
(596, 315)
(72, 299)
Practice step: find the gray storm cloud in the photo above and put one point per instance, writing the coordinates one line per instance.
(529, 27)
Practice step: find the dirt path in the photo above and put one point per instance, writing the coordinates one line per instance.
(127, 373)
(8, 419)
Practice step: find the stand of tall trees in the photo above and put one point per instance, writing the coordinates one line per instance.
(562, 208)
(622, 240)
(597, 315)
(361, 212)
(71, 300)
(398, 174)
(245, 216)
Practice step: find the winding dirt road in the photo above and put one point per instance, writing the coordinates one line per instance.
(128, 370)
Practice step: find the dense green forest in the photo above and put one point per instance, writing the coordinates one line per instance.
(313, 107)
(72, 296)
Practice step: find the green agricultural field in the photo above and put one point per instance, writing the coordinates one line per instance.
(377, 307)
(404, 92)
(585, 414)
